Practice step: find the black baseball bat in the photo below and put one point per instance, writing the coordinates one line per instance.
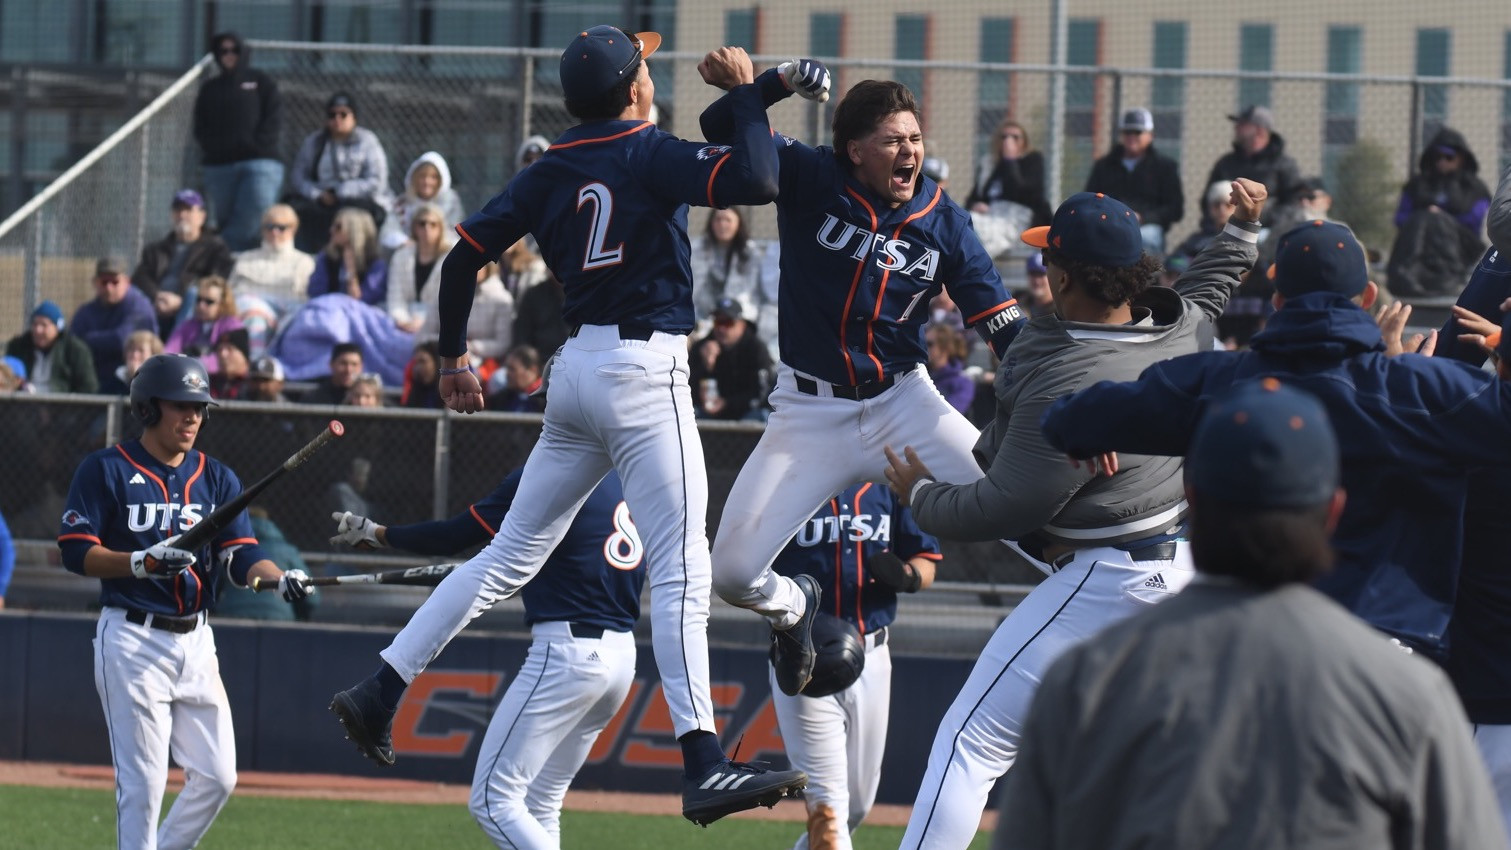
(426, 576)
(201, 532)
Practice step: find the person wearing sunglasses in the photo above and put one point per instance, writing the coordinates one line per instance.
(270, 281)
(214, 314)
(238, 124)
(338, 165)
(1438, 220)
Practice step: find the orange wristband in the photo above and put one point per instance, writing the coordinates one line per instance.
(1493, 340)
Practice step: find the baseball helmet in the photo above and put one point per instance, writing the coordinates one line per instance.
(175, 377)
(841, 656)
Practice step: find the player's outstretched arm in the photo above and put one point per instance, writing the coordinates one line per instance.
(1215, 273)
(718, 120)
(459, 389)
(1154, 415)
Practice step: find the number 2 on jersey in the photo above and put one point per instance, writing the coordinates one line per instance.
(597, 255)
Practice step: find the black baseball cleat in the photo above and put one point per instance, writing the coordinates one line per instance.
(367, 722)
(734, 786)
(792, 652)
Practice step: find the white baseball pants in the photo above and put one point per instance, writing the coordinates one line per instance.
(613, 403)
(162, 695)
(838, 741)
(565, 694)
(814, 447)
(978, 739)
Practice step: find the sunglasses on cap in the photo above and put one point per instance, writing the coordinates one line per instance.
(639, 50)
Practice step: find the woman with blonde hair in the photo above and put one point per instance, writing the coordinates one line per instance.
(139, 346)
(350, 261)
(215, 313)
(414, 275)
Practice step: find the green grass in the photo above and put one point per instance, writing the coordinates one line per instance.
(67, 818)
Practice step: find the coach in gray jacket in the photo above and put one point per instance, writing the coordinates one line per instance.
(1110, 545)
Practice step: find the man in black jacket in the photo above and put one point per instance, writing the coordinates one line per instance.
(170, 268)
(238, 117)
(1259, 154)
(1141, 177)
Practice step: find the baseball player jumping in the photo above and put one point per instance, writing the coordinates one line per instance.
(863, 548)
(582, 611)
(154, 650)
(608, 205)
(866, 241)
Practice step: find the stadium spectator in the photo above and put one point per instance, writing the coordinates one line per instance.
(422, 378)
(726, 263)
(490, 325)
(13, 376)
(366, 391)
(265, 381)
(1259, 154)
(1217, 208)
(56, 360)
(139, 346)
(521, 268)
(170, 268)
(1249, 685)
(350, 261)
(272, 280)
(1140, 176)
(215, 313)
(537, 317)
(117, 309)
(414, 273)
(340, 165)
(935, 168)
(947, 353)
(1438, 221)
(238, 123)
(247, 604)
(428, 181)
(516, 387)
(529, 151)
(1008, 196)
(730, 369)
(1036, 297)
(234, 361)
(345, 365)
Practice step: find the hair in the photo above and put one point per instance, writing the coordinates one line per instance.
(527, 356)
(518, 257)
(429, 210)
(366, 379)
(362, 235)
(865, 106)
(1114, 286)
(740, 244)
(431, 347)
(281, 210)
(609, 105)
(227, 303)
(1267, 547)
(1001, 133)
(153, 342)
(954, 341)
(341, 348)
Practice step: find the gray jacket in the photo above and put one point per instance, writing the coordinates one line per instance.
(354, 168)
(1029, 487)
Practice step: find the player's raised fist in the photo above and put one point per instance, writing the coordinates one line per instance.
(1249, 197)
(353, 530)
(161, 560)
(727, 67)
(808, 77)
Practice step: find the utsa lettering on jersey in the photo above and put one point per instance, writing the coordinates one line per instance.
(607, 203)
(866, 241)
(154, 651)
(582, 610)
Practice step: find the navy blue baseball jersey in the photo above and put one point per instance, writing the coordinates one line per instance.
(857, 275)
(836, 543)
(594, 575)
(126, 500)
(608, 205)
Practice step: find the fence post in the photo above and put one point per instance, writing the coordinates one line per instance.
(442, 472)
(526, 99)
(1414, 147)
(112, 423)
(1058, 54)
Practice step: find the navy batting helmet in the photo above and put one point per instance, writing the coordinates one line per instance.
(841, 656)
(175, 377)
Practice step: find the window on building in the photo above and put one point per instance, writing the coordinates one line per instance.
(1432, 61)
(911, 41)
(995, 94)
(36, 32)
(144, 32)
(1256, 52)
(1340, 106)
(1083, 47)
(740, 28)
(1167, 95)
(826, 33)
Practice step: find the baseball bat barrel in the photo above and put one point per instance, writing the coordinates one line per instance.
(426, 576)
(209, 526)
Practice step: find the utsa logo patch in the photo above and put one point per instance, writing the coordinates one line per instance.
(712, 151)
(73, 519)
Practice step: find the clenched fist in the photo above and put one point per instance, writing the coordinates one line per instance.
(353, 530)
(294, 586)
(808, 77)
(161, 560)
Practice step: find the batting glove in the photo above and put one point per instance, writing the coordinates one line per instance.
(293, 585)
(353, 530)
(161, 560)
(808, 77)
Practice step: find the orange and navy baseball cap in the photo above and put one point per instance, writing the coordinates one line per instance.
(1264, 444)
(598, 58)
(1092, 228)
(1319, 256)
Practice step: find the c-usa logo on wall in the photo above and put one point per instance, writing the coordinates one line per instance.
(711, 151)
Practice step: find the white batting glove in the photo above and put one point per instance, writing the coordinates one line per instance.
(353, 530)
(161, 560)
(808, 77)
(293, 585)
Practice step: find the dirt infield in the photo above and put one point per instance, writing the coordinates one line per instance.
(324, 786)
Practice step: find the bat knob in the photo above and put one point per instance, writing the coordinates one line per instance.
(337, 428)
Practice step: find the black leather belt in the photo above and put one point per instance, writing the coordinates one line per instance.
(640, 332)
(158, 621)
(858, 392)
(1154, 552)
(583, 630)
(878, 637)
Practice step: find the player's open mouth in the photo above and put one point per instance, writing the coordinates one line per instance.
(902, 178)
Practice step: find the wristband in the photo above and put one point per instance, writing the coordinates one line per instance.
(1493, 341)
(458, 370)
